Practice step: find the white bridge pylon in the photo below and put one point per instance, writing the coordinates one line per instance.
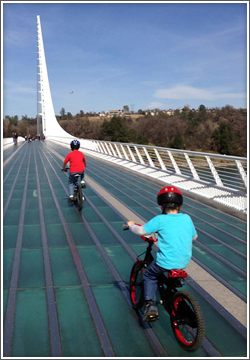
(45, 108)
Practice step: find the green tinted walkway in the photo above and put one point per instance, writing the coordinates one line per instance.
(65, 275)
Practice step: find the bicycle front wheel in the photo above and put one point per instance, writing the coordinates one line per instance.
(136, 286)
(79, 201)
(187, 321)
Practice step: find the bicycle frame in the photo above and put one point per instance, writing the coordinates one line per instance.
(166, 295)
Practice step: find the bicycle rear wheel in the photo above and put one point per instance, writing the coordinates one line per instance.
(79, 200)
(136, 286)
(187, 321)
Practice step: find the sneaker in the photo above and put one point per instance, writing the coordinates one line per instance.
(83, 184)
(71, 198)
(150, 312)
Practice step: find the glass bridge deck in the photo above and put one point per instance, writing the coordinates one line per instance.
(65, 275)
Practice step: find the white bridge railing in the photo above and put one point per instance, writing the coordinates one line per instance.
(221, 178)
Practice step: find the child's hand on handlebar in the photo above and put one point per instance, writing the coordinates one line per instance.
(130, 223)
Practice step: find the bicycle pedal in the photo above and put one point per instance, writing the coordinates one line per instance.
(151, 318)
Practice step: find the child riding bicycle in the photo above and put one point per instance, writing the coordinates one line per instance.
(77, 166)
(175, 234)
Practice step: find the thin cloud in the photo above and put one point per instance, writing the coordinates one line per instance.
(182, 92)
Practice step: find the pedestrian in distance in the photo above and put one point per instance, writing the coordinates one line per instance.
(176, 232)
(77, 166)
(15, 136)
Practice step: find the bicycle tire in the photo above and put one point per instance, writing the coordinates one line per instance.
(79, 201)
(136, 286)
(187, 321)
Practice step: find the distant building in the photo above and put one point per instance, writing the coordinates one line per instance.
(112, 113)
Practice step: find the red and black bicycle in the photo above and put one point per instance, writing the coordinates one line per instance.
(185, 313)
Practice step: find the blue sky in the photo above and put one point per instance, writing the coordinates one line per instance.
(144, 55)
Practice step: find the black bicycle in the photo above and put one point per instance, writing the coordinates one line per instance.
(78, 195)
(186, 317)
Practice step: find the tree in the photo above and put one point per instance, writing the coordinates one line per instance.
(63, 114)
(81, 113)
(224, 139)
(202, 113)
(126, 109)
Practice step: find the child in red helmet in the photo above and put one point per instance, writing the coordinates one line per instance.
(175, 234)
(77, 166)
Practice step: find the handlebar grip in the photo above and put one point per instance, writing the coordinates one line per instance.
(125, 227)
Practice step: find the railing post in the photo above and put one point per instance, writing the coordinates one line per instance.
(214, 172)
(118, 151)
(112, 150)
(104, 150)
(148, 157)
(131, 154)
(192, 168)
(124, 152)
(139, 155)
(160, 160)
(242, 172)
(107, 148)
(176, 167)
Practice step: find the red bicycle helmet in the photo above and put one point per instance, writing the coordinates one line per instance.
(169, 195)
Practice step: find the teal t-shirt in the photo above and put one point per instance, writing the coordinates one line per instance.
(175, 233)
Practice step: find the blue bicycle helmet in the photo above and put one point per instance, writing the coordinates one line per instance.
(75, 144)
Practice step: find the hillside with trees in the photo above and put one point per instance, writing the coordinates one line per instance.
(220, 130)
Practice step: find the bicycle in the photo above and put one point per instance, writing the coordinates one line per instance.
(78, 195)
(186, 317)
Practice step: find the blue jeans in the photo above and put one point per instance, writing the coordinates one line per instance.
(72, 181)
(150, 280)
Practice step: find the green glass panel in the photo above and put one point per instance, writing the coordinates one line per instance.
(9, 236)
(78, 333)
(242, 287)
(63, 267)
(97, 201)
(17, 194)
(32, 236)
(207, 240)
(31, 329)
(80, 234)
(48, 203)
(19, 185)
(60, 192)
(230, 255)
(116, 311)
(12, 217)
(70, 214)
(109, 213)
(120, 258)
(31, 216)
(90, 215)
(46, 193)
(31, 272)
(8, 256)
(56, 235)
(94, 266)
(219, 235)
(103, 234)
(51, 216)
(15, 204)
(218, 267)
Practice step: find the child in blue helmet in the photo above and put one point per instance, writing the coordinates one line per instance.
(175, 234)
(77, 166)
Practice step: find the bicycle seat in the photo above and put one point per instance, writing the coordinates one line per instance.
(174, 273)
(77, 175)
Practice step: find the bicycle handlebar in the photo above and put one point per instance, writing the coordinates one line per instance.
(145, 238)
(66, 169)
